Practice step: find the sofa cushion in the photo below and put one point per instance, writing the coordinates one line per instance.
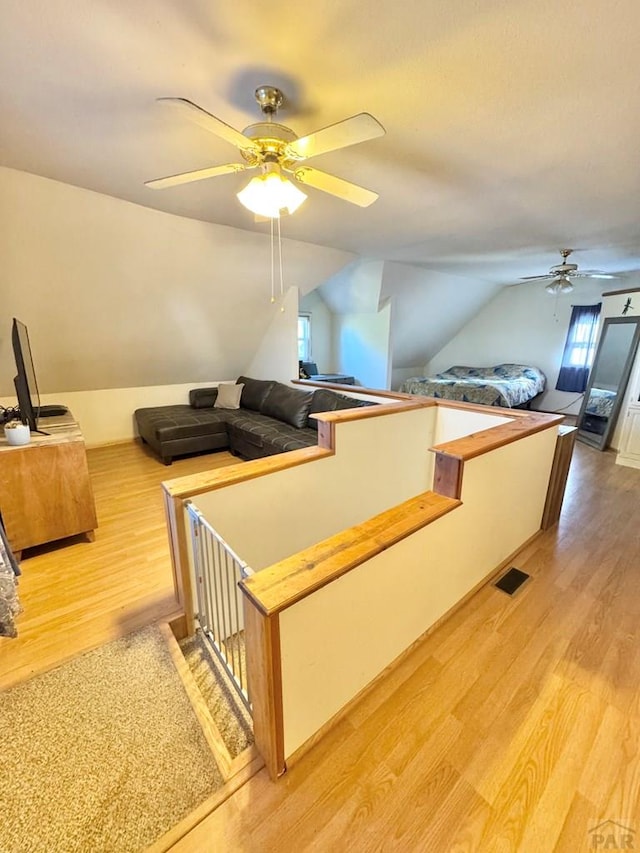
(265, 433)
(254, 392)
(228, 395)
(329, 401)
(168, 423)
(202, 398)
(287, 404)
(296, 439)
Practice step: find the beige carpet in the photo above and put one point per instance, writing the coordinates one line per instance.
(229, 714)
(101, 754)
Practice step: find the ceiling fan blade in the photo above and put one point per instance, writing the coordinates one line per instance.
(211, 123)
(334, 186)
(592, 274)
(349, 131)
(197, 175)
(538, 277)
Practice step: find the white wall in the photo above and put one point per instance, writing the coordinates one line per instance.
(321, 330)
(106, 416)
(268, 518)
(523, 325)
(360, 323)
(613, 306)
(118, 296)
(399, 374)
(354, 289)
(277, 353)
(362, 347)
(452, 423)
(428, 309)
(363, 620)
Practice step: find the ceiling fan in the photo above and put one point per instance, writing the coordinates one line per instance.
(277, 151)
(559, 275)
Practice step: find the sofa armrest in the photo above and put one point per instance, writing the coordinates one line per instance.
(202, 398)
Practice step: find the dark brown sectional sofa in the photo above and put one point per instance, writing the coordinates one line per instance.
(272, 418)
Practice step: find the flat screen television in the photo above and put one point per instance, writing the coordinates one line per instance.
(25, 381)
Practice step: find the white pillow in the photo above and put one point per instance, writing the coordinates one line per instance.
(228, 395)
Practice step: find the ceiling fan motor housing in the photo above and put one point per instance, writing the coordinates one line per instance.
(272, 139)
(564, 269)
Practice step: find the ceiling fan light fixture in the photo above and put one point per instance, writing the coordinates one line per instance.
(559, 285)
(269, 193)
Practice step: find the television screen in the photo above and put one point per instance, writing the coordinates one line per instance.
(25, 382)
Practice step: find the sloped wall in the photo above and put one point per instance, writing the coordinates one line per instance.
(276, 356)
(360, 323)
(429, 308)
(362, 343)
(408, 311)
(524, 325)
(118, 296)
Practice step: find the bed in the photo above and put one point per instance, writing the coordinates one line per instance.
(508, 385)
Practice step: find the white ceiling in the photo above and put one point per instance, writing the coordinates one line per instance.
(512, 125)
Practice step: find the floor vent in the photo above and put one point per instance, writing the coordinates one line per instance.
(512, 580)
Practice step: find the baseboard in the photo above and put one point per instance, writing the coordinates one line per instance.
(95, 445)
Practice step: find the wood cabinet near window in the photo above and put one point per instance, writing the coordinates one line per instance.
(45, 489)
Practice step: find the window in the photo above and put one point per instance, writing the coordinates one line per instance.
(304, 337)
(579, 349)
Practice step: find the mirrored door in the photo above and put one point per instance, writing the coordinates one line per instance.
(608, 380)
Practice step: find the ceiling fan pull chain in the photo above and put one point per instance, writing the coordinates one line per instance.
(273, 295)
(280, 262)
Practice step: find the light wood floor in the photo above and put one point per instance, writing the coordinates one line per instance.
(514, 727)
(78, 595)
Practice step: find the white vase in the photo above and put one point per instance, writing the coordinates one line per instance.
(17, 434)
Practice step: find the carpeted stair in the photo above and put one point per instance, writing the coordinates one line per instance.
(227, 711)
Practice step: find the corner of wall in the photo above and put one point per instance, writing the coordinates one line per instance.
(277, 354)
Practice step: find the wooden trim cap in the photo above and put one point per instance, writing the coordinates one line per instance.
(274, 589)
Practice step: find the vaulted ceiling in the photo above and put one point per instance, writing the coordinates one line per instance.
(512, 128)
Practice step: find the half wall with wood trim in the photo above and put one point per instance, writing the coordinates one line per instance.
(356, 555)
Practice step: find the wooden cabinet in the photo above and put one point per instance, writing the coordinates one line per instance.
(629, 450)
(45, 489)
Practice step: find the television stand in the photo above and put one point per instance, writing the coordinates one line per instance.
(45, 490)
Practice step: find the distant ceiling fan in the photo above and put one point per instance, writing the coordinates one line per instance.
(277, 151)
(559, 275)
